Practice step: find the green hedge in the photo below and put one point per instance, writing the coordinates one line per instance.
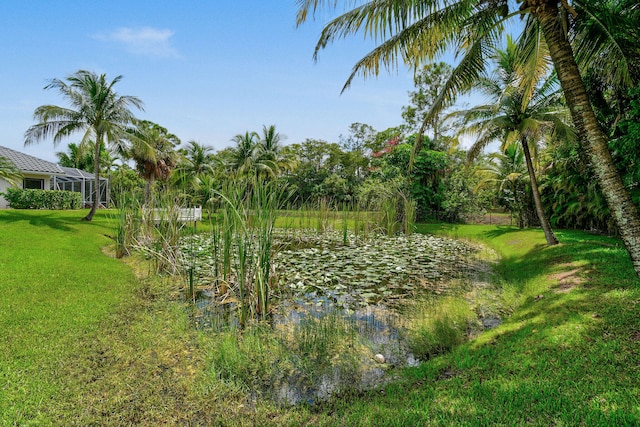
(43, 199)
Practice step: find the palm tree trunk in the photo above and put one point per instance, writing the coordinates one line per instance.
(96, 175)
(544, 222)
(593, 140)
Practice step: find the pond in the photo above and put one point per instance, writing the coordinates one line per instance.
(334, 281)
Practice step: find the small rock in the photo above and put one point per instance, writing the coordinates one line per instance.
(379, 358)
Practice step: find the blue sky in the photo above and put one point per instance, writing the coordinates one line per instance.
(206, 70)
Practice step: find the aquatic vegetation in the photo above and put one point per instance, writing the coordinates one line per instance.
(348, 272)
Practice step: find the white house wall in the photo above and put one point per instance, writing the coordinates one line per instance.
(3, 187)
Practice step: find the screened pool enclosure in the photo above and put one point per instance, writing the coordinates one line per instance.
(82, 182)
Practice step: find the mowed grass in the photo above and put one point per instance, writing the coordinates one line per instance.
(55, 287)
(85, 341)
(569, 354)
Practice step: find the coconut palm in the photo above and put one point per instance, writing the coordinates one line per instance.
(152, 148)
(197, 165)
(515, 115)
(507, 173)
(269, 150)
(247, 159)
(95, 109)
(75, 157)
(80, 156)
(416, 32)
(198, 158)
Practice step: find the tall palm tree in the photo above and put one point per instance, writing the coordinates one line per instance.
(415, 32)
(516, 114)
(246, 157)
(152, 148)
(198, 158)
(95, 109)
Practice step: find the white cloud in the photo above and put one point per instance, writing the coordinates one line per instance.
(143, 41)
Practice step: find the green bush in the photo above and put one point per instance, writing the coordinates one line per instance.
(43, 199)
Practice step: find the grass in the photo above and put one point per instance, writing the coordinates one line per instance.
(56, 287)
(86, 339)
(568, 354)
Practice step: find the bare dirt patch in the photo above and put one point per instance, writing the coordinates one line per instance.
(568, 280)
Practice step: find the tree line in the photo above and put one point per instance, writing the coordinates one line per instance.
(564, 125)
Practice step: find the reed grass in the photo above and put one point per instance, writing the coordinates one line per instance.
(245, 232)
(436, 325)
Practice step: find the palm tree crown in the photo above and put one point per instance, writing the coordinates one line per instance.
(152, 148)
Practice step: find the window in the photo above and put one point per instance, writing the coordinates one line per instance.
(33, 184)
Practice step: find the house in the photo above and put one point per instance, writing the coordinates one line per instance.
(44, 175)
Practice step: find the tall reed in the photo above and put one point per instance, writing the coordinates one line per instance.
(248, 217)
(126, 225)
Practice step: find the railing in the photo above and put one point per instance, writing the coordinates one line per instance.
(180, 214)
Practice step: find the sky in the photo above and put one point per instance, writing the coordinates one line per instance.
(206, 70)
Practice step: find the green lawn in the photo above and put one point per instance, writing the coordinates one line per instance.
(85, 342)
(568, 355)
(56, 287)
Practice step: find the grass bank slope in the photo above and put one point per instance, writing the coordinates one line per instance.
(569, 353)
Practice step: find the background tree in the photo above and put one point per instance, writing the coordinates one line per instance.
(81, 157)
(417, 32)
(152, 148)
(429, 83)
(322, 171)
(506, 174)
(95, 109)
(197, 163)
(269, 152)
(245, 158)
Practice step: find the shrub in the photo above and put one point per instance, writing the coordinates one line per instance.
(43, 199)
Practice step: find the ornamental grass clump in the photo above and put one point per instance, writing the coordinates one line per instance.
(438, 325)
(127, 225)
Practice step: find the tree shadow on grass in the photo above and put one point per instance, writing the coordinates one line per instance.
(563, 357)
(57, 220)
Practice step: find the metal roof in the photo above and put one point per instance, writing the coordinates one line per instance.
(27, 163)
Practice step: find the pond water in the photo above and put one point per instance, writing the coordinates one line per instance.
(364, 282)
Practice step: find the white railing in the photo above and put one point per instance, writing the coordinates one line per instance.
(180, 214)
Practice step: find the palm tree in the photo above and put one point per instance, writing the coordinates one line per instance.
(152, 148)
(95, 109)
(269, 151)
(9, 172)
(197, 163)
(198, 158)
(415, 32)
(74, 157)
(516, 115)
(80, 156)
(506, 171)
(246, 158)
